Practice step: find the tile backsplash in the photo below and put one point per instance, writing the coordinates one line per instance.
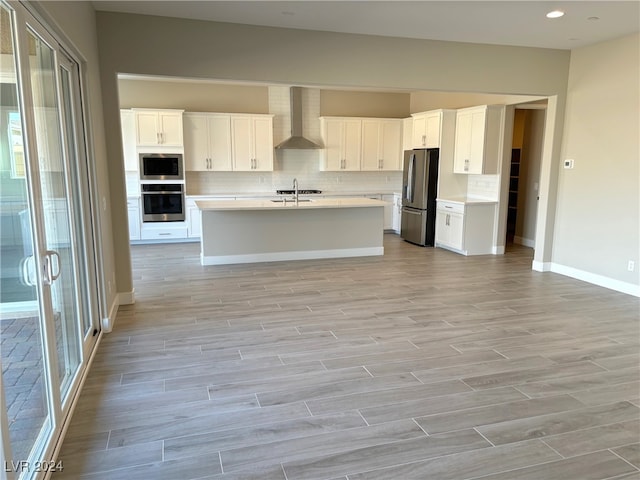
(290, 164)
(483, 186)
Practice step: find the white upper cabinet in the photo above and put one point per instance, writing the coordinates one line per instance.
(207, 142)
(407, 133)
(342, 139)
(426, 129)
(252, 142)
(355, 143)
(128, 125)
(158, 127)
(381, 144)
(477, 140)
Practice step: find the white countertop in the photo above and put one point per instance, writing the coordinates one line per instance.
(220, 205)
(273, 194)
(467, 200)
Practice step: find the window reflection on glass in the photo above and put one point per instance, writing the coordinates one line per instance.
(16, 146)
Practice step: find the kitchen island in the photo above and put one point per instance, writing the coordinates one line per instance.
(247, 231)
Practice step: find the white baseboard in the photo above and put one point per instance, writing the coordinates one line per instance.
(127, 298)
(541, 266)
(527, 242)
(283, 256)
(109, 320)
(498, 250)
(600, 280)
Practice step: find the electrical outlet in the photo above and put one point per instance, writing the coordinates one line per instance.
(631, 266)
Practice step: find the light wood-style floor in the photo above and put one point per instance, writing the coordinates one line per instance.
(421, 364)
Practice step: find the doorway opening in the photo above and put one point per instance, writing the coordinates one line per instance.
(524, 174)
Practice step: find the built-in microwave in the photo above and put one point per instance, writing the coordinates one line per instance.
(161, 166)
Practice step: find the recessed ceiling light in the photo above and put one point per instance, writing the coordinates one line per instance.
(593, 19)
(555, 14)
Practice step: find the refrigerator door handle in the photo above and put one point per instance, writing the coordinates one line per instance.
(410, 181)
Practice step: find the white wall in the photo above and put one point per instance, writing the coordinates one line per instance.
(598, 216)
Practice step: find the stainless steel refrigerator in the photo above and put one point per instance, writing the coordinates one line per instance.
(419, 188)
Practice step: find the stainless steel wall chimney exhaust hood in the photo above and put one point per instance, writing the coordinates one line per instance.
(296, 140)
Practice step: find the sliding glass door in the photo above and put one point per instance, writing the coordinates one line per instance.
(48, 291)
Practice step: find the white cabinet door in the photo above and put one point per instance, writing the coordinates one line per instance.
(147, 128)
(133, 211)
(397, 212)
(196, 143)
(241, 143)
(342, 137)
(427, 128)
(389, 211)
(220, 143)
(371, 145)
(419, 131)
(128, 125)
(262, 130)
(170, 128)
(477, 140)
(469, 149)
(407, 134)
(207, 142)
(332, 136)
(391, 145)
(159, 127)
(352, 145)
(381, 144)
(252, 143)
(194, 222)
(450, 229)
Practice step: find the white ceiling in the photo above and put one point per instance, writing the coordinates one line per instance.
(521, 23)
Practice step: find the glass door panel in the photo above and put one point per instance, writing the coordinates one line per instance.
(59, 265)
(78, 186)
(24, 373)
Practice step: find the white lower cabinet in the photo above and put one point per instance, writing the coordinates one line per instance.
(133, 212)
(194, 215)
(163, 231)
(465, 228)
(397, 212)
(389, 211)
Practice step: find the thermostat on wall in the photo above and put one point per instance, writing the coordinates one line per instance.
(568, 163)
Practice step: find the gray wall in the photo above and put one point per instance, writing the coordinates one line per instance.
(136, 44)
(598, 216)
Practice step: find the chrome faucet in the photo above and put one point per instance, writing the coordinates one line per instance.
(295, 188)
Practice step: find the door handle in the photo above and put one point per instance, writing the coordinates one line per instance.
(29, 271)
(48, 266)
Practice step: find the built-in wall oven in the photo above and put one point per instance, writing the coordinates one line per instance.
(163, 202)
(161, 166)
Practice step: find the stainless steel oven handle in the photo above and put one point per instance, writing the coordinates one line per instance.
(162, 193)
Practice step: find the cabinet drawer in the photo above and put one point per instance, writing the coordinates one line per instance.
(451, 207)
(162, 233)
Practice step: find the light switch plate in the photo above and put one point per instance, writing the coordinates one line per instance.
(568, 163)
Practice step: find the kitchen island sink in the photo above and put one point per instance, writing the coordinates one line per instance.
(291, 201)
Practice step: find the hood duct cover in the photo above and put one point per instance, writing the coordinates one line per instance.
(296, 140)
